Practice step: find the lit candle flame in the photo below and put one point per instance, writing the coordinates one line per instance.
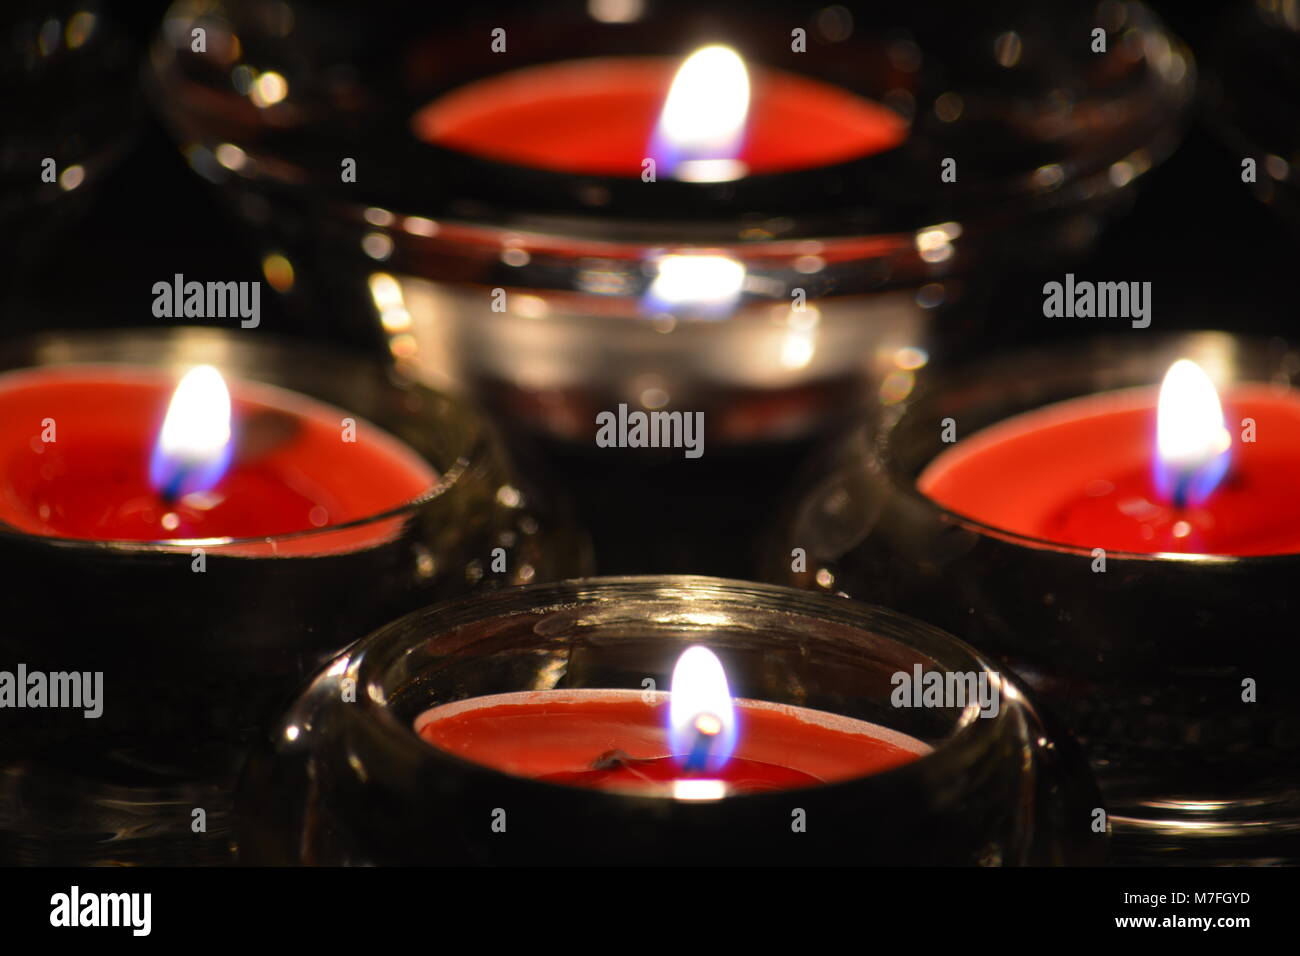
(702, 125)
(702, 718)
(1192, 441)
(193, 448)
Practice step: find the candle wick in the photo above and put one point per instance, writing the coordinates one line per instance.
(1180, 489)
(707, 727)
(171, 491)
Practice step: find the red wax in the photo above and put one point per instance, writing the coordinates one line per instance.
(615, 771)
(1081, 473)
(598, 116)
(571, 737)
(291, 471)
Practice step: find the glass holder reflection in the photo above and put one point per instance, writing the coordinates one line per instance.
(193, 663)
(341, 782)
(1144, 663)
(421, 243)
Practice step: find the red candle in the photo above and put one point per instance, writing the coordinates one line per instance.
(606, 116)
(1086, 473)
(619, 740)
(77, 443)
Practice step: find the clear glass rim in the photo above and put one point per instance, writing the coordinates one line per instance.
(678, 206)
(372, 660)
(267, 345)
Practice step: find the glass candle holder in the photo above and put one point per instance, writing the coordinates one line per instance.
(1144, 656)
(346, 779)
(196, 641)
(775, 302)
(1252, 92)
(70, 84)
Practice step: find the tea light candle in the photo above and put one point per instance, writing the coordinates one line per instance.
(519, 727)
(1136, 471)
(1130, 552)
(83, 456)
(814, 178)
(700, 118)
(200, 623)
(695, 742)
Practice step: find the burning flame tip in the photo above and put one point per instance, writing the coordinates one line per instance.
(1192, 439)
(194, 447)
(703, 121)
(702, 719)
